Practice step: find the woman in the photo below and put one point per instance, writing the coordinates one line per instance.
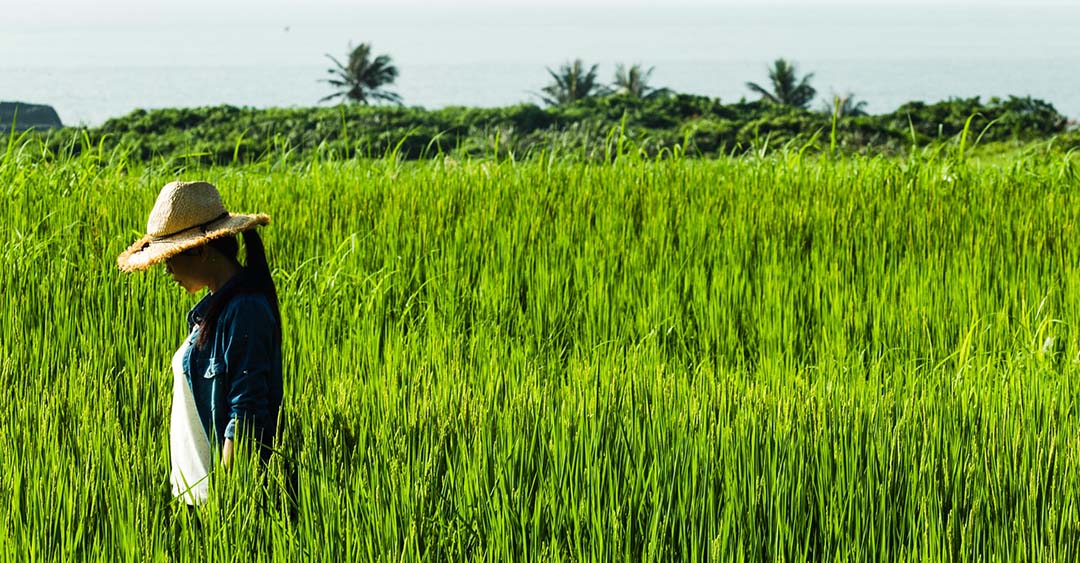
(227, 373)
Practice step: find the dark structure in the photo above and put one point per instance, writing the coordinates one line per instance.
(26, 116)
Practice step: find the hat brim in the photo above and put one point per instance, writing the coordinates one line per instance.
(149, 250)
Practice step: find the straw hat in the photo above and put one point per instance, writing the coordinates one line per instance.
(185, 215)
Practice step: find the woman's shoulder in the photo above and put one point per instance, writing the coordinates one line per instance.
(249, 307)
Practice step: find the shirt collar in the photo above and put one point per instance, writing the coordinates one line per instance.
(198, 313)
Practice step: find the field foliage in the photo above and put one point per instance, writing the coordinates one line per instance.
(780, 358)
(695, 126)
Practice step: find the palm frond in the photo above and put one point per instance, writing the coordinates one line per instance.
(570, 82)
(340, 68)
(757, 89)
(363, 78)
(331, 97)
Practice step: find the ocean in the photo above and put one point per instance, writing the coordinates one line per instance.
(490, 56)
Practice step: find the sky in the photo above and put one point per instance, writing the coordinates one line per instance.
(76, 33)
(51, 14)
(95, 59)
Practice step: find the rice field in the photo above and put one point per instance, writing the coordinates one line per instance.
(759, 359)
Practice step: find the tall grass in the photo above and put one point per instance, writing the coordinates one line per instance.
(776, 358)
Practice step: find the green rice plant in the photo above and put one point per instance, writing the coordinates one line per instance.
(780, 358)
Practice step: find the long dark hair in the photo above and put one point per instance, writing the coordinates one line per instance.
(256, 279)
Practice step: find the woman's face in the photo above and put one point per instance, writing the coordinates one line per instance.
(188, 270)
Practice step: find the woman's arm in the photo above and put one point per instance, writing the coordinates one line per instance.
(227, 453)
(249, 354)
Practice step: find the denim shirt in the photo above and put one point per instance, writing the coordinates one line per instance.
(236, 376)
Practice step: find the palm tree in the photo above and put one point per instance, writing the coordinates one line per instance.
(571, 83)
(787, 88)
(845, 106)
(634, 82)
(363, 79)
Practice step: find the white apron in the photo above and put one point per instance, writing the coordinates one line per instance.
(189, 449)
